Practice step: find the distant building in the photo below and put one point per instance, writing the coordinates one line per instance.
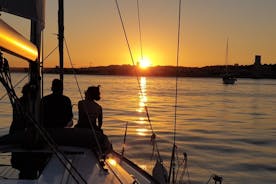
(258, 60)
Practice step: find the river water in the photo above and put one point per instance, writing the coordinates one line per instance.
(228, 130)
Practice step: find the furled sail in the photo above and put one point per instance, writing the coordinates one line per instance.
(30, 9)
(13, 42)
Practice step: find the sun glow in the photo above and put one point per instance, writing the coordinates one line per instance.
(144, 63)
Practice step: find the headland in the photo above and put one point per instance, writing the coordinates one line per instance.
(244, 71)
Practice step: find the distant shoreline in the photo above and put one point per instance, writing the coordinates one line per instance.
(244, 71)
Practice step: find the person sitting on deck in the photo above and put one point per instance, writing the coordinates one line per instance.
(28, 164)
(90, 111)
(56, 109)
(20, 108)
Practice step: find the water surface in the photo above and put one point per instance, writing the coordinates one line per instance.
(227, 130)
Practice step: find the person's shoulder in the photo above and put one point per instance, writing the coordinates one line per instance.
(98, 105)
(81, 102)
(46, 97)
(65, 97)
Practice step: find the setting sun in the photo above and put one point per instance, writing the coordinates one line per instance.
(144, 63)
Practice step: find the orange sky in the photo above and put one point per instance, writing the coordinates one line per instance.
(95, 38)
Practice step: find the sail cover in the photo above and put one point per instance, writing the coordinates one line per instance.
(13, 42)
(30, 9)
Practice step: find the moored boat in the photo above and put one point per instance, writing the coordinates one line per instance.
(228, 79)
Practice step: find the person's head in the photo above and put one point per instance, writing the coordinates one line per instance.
(57, 86)
(26, 90)
(93, 93)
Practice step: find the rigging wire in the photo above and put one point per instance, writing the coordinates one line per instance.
(139, 84)
(140, 31)
(132, 59)
(125, 35)
(16, 84)
(42, 65)
(172, 164)
(74, 72)
(141, 91)
(153, 137)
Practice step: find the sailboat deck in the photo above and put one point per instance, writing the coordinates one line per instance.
(118, 170)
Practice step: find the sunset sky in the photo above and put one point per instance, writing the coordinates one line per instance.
(94, 34)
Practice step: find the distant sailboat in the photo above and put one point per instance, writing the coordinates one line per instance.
(227, 77)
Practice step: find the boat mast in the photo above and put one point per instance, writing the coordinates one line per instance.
(35, 76)
(61, 36)
(226, 56)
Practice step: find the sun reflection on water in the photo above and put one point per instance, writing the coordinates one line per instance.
(141, 108)
(141, 131)
(142, 94)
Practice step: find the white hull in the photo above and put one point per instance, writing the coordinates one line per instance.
(118, 170)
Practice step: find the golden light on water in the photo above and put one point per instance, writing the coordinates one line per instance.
(142, 103)
(141, 131)
(142, 94)
(141, 119)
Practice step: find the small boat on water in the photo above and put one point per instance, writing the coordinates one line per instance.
(227, 77)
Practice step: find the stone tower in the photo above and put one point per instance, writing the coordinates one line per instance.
(258, 60)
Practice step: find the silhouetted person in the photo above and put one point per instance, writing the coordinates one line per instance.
(89, 110)
(20, 109)
(29, 164)
(56, 108)
(91, 117)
